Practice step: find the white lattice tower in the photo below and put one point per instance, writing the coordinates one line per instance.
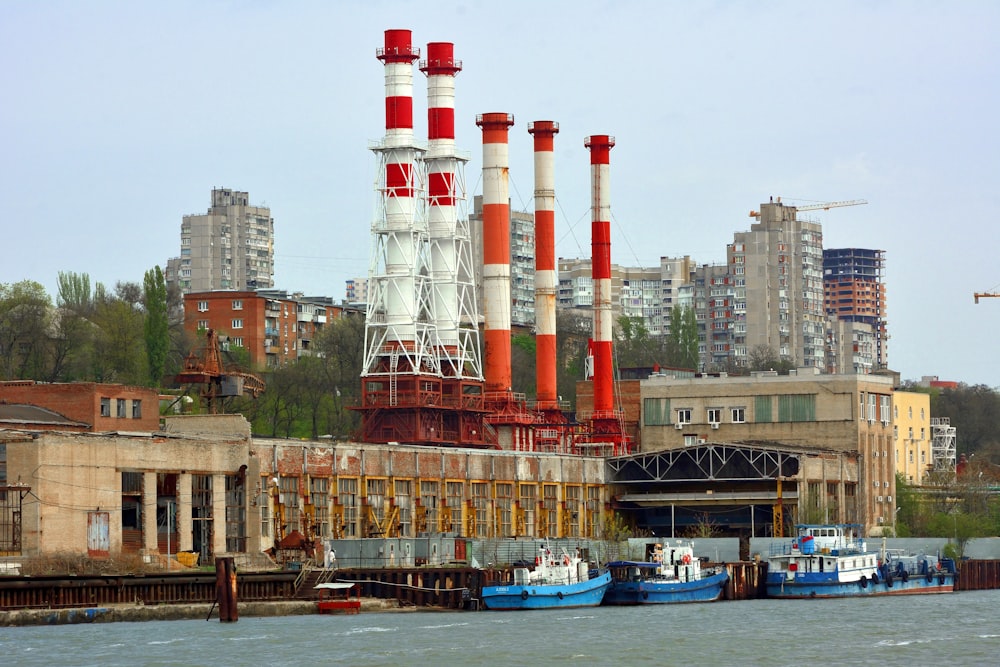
(399, 334)
(453, 299)
(943, 444)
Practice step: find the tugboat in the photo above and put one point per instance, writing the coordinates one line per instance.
(833, 560)
(672, 575)
(554, 583)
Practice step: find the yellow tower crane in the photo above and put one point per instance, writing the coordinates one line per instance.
(986, 295)
(816, 207)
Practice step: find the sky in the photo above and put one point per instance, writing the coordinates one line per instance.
(118, 118)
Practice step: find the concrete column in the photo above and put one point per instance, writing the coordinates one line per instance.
(149, 530)
(218, 514)
(256, 495)
(184, 526)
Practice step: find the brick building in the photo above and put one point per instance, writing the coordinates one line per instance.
(79, 406)
(274, 327)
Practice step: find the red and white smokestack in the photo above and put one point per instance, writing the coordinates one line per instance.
(546, 281)
(441, 68)
(496, 250)
(600, 188)
(400, 198)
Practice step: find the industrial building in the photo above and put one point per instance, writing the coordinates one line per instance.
(849, 414)
(204, 484)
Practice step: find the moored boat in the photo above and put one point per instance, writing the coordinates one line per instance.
(555, 582)
(672, 575)
(835, 561)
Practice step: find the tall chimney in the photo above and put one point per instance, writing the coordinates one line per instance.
(600, 152)
(496, 250)
(455, 316)
(546, 281)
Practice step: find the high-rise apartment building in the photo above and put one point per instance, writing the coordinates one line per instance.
(854, 292)
(522, 261)
(780, 261)
(229, 247)
(357, 291)
(645, 293)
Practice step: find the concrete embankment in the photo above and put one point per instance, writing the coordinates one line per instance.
(173, 612)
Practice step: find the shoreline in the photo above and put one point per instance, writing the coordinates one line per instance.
(177, 612)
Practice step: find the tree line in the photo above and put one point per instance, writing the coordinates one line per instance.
(134, 334)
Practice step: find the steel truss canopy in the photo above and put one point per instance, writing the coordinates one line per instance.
(704, 463)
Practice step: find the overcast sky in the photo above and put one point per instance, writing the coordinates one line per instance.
(118, 118)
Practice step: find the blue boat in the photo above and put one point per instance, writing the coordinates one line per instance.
(833, 561)
(554, 583)
(672, 575)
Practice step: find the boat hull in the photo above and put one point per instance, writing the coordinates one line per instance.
(511, 597)
(706, 589)
(821, 587)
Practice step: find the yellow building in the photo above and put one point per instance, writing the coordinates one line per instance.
(912, 434)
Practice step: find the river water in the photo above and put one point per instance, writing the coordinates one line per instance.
(957, 629)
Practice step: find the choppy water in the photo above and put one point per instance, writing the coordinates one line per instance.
(958, 629)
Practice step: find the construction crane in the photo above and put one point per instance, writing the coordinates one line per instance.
(986, 295)
(816, 207)
(207, 369)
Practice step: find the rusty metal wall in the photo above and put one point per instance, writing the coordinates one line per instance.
(59, 592)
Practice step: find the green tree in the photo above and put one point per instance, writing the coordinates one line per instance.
(522, 364)
(573, 330)
(24, 330)
(156, 327)
(634, 347)
(681, 345)
(120, 354)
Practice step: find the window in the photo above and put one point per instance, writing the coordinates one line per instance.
(738, 415)
(921, 414)
(884, 410)
(690, 440)
(656, 411)
(237, 304)
(403, 489)
(120, 405)
(136, 409)
(319, 494)
(797, 408)
(105, 407)
(911, 412)
(504, 507)
(375, 490)
(871, 408)
(714, 415)
(481, 507)
(347, 496)
(203, 306)
(762, 409)
(684, 416)
(237, 341)
(237, 324)
(455, 494)
(202, 324)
